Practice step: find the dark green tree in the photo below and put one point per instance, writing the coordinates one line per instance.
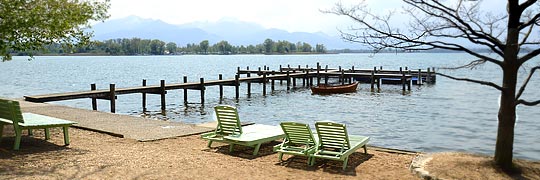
(204, 46)
(171, 47)
(320, 48)
(30, 25)
(268, 46)
(157, 47)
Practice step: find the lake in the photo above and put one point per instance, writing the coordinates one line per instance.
(446, 116)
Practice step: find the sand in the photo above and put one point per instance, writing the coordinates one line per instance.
(94, 155)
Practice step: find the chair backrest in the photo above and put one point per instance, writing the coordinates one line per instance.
(11, 110)
(298, 133)
(228, 120)
(332, 136)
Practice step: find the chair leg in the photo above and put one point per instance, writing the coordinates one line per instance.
(209, 143)
(365, 149)
(230, 147)
(47, 134)
(30, 133)
(18, 134)
(1, 131)
(66, 135)
(256, 150)
(280, 156)
(345, 163)
(312, 161)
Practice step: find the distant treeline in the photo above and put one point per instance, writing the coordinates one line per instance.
(137, 46)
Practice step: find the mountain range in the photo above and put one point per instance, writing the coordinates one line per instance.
(234, 31)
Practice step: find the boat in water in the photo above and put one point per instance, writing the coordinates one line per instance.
(328, 89)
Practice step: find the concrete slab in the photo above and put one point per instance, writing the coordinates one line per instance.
(125, 126)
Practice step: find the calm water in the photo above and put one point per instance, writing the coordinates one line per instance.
(446, 116)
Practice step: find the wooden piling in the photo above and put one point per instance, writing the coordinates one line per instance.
(185, 91)
(237, 86)
(428, 77)
(203, 88)
(342, 77)
(264, 84)
(403, 80)
(94, 100)
(318, 74)
(144, 96)
(220, 87)
(310, 78)
(280, 72)
(288, 81)
(372, 80)
(249, 85)
(379, 83)
(419, 81)
(112, 97)
(162, 92)
(272, 85)
(293, 79)
(303, 80)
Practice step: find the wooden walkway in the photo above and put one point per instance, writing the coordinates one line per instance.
(308, 76)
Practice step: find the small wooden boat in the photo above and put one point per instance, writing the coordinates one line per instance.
(325, 89)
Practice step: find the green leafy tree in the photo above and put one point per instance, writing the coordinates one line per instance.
(511, 36)
(31, 24)
(223, 47)
(157, 47)
(320, 48)
(268, 46)
(171, 47)
(306, 47)
(204, 46)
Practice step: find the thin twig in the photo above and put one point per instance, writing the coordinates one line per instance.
(487, 83)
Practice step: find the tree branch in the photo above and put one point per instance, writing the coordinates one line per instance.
(520, 92)
(486, 83)
(527, 103)
(532, 21)
(526, 4)
(529, 56)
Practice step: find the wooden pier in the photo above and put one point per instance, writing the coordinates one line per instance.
(308, 76)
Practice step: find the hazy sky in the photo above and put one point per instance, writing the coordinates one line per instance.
(290, 15)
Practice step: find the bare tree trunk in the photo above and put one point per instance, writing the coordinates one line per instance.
(507, 110)
(507, 119)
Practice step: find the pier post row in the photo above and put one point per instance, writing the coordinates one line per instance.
(262, 75)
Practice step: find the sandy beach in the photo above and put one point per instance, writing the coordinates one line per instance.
(95, 155)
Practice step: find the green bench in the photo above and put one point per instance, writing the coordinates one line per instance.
(10, 114)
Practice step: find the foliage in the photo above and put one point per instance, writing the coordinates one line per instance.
(27, 25)
(447, 25)
(137, 46)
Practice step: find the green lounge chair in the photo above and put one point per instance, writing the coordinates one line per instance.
(298, 140)
(10, 113)
(335, 143)
(230, 131)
